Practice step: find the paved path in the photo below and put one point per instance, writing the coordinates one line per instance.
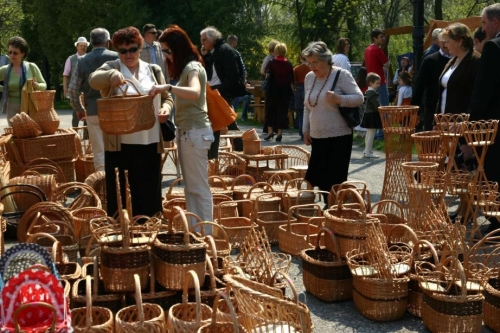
(327, 317)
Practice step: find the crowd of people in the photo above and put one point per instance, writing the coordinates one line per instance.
(458, 74)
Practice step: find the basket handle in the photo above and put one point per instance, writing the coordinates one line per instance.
(127, 85)
(410, 231)
(297, 183)
(266, 194)
(184, 223)
(96, 276)
(336, 247)
(152, 276)
(379, 206)
(33, 237)
(457, 270)
(213, 224)
(57, 252)
(31, 305)
(289, 281)
(316, 192)
(292, 210)
(210, 266)
(417, 247)
(224, 186)
(225, 296)
(279, 176)
(125, 227)
(171, 187)
(191, 275)
(138, 299)
(88, 302)
(341, 194)
(262, 185)
(244, 177)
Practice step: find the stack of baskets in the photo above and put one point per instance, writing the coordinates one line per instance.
(251, 142)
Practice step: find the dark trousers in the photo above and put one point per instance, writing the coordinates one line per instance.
(144, 176)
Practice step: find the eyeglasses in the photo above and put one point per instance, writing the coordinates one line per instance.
(131, 50)
(167, 51)
(14, 52)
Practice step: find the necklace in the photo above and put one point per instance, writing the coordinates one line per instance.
(312, 88)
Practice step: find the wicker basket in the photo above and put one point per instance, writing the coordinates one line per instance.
(81, 218)
(168, 210)
(350, 225)
(293, 238)
(236, 227)
(70, 271)
(47, 183)
(46, 117)
(297, 192)
(456, 309)
(84, 167)
(100, 297)
(392, 210)
(228, 324)
(64, 234)
(97, 181)
(177, 252)
(92, 318)
(218, 235)
(126, 114)
(240, 187)
(251, 134)
(228, 210)
(325, 274)
(251, 147)
(25, 127)
(491, 306)
(271, 221)
(189, 317)
(142, 317)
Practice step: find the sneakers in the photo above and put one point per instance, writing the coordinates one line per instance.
(370, 155)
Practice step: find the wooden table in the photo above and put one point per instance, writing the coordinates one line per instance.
(257, 164)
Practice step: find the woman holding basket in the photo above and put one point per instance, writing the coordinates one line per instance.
(194, 133)
(139, 152)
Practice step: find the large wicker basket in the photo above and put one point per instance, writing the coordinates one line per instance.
(325, 274)
(142, 317)
(177, 252)
(126, 114)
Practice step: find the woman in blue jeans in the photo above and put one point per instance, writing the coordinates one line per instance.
(194, 133)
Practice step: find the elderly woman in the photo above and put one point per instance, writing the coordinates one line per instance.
(193, 127)
(15, 75)
(324, 128)
(280, 74)
(340, 58)
(139, 152)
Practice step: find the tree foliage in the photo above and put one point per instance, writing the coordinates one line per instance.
(51, 27)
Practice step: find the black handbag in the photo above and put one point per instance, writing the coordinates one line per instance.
(167, 130)
(351, 115)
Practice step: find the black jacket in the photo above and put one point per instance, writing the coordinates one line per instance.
(427, 82)
(228, 67)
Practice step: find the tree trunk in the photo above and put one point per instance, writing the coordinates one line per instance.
(300, 27)
(438, 9)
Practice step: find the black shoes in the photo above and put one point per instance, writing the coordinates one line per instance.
(270, 136)
(278, 138)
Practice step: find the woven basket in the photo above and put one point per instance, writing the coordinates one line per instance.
(240, 187)
(25, 127)
(177, 252)
(227, 324)
(491, 306)
(380, 299)
(271, 221)
(325, 274)
(218, 186)
(236, 227)
(211, 285)
(228, 210)
(189, 317)
(218, 235)
(348, 224)
(64, 234)
(142, 317)
(126, 114)
(70, 271)
(392, 210)
(84, 167)
(168, 210)
(46, 117)
(92, 318)
(293, 238)
(47, 183)
(251, 134)
(456, 309)
(97, 181)
(81, 218)
(295, 195)
(251, 147)
(87, 197)
(100, 297)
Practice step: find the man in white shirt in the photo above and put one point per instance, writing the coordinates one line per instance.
(69, 69)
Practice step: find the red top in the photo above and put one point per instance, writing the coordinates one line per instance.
(375, 59)
(300, 72)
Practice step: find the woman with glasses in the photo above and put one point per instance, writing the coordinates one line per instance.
(324, 127)
(15, 76)
(194, 133)
(139, 152)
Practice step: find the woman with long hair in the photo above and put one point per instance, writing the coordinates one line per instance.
(194, 133)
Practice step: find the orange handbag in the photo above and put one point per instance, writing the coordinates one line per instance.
(220, 113)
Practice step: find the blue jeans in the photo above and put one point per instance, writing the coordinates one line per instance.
(383, 97)
(245, 103)
(299, 107)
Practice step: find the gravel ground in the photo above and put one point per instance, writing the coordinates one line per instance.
(327, 317)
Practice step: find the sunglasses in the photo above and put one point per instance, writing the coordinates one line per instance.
(131, 50)
(167, 51)
(14, 52)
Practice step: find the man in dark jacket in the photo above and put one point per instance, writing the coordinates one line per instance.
(79, 83)
(224, 73)
(427, 84)
(485, 101)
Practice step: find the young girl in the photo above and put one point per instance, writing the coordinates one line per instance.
(371, 119)
(361, 82)
(405, 91)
